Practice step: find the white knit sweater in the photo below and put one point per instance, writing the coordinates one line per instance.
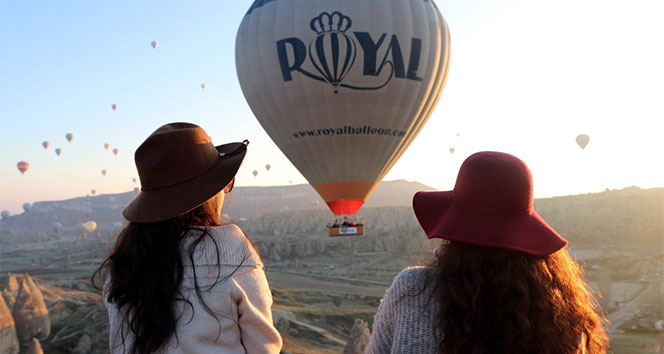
(243, 301)
(406, 319)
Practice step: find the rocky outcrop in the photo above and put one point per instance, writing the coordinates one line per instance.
(359, 338)
(30, 313)
(8, 339)
(10, 291)
(35, 347)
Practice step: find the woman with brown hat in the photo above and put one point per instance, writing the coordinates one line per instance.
(503, 281)
(177, 280)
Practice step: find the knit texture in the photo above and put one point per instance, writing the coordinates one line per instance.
(407, 316)
(242, 301)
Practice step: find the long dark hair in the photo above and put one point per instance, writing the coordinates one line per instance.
(146, 270)
(499, 301)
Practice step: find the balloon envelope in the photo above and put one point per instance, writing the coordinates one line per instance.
(137, 190)
(93, 192)
(27, 207)
(203, 86)
(343, 87)
(268, 167)
(114, 107)
(154, 44)
(87, 226)
(56, 226)
(103, 172)
(46, 144)
(69, 137)
(582, 140)
(58, 151)
(452, 150)
(22, 166)
(255, 173)
(107, 145)
(5, 214)
(115, 151)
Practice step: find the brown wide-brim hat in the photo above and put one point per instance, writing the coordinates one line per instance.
(180, 169)
(491, 205)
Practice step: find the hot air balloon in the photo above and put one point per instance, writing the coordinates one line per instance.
(268, 167)
(107, 145)
(56, 226)
(103, 172)
(114, 107)
(87, 226)
(154, 44)
(27, 207)
(69, 137)
(137, 190)
(343, 87)
(5, 214)
(452, 150)
(93, 192)
(203, 86)
(457, 134)
(254, 172)
(58, 151)
(22, 166)
(133, 180)
(115, 151)
(46, 144)
(582, 140)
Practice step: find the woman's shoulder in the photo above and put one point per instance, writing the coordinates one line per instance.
(229, 243)
(413, 281)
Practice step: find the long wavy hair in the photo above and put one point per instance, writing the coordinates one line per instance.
(499, 301)
(146, 270)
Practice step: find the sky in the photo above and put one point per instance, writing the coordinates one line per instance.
(526, 78)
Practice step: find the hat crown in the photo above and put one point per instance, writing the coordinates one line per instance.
(174, 153)
(494, 183)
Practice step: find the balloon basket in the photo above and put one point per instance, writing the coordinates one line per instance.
(342, 231)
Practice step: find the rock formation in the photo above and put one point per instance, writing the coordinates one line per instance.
(359, 338)
(30, 313)
(35, 347)
(8, 339)
(10, 291)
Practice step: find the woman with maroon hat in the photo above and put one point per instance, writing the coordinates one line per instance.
(503, 281)
(177, 280)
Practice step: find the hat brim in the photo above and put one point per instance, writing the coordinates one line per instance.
(441, 217)
(168, 202)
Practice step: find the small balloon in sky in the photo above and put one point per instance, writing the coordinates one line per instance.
(114, 107)
(268, 167)
(154, 44)
(58, 151)
(103, 172)
(22, 166)
(27, 207)
(137, 190)
(458, 135)
(452, 150)
(93, 192)
(115, 151)
(133, 180)
(46, 144)
(203, 86)
(582, 140)
(255, 173)
(107, 145)
(5, 214)
(69, 137)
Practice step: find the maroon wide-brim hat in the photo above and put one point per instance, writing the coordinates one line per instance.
(491, 205)
(180, 169)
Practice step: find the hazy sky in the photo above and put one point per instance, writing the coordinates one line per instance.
(526, 77)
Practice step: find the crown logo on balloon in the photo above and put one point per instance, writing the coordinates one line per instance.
(328, 23)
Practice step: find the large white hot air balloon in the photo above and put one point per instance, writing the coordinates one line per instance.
(27, 207)
(582, 140)
(343, 87)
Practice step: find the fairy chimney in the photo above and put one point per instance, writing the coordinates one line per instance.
(359, 338)
(8, 339)
(35, 347)
(30, 313)
(10, 291)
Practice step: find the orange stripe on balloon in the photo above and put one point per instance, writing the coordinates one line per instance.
(345, 190)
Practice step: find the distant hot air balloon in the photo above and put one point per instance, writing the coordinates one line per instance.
(27, 207)
(133, 180)
(254, 172)
(452, 150)
(137, 190)
(107, 145)
(69, 137)
(268, 167)
(203, 86)
(58, 151)
(114, 107)
(46, 144)
(103, 172)
(344, 87)
(582, 140)
(56, 226)
(5, 214)
(154, 44)
(93, 192)
(115, 151)
(87, 226)
(22, 166)
(457, 134)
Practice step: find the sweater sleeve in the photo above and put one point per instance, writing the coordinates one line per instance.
(257, 330)
(382, 335)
